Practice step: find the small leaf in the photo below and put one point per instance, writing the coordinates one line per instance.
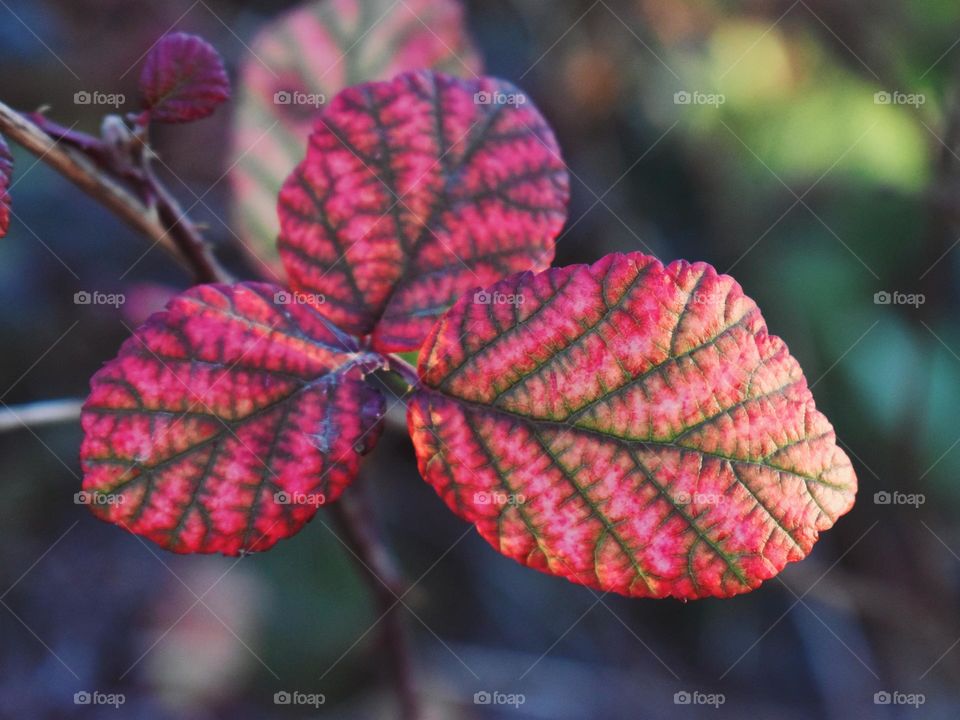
(629, 427)
(299, 62)
(183, 79)
(226, 420)
(6, 173)
(414, 191)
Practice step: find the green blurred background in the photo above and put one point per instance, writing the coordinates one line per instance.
(786, 169)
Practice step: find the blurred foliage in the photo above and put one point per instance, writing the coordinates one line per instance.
(812, 194)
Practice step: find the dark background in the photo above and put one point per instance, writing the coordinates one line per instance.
(874, 608)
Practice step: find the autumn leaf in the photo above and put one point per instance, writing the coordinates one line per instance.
(226, 420)
(628, 426)
(414, 191)
(299, 62)
(183, 79)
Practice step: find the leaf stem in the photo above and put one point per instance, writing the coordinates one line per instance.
(404, 369)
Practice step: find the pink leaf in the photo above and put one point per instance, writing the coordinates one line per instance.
(226, 420)
(414, 191)
(628, 426)
(183, 79)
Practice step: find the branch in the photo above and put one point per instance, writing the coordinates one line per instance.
(185, 233)
(355, 519)
(162, 222)
(44, 412)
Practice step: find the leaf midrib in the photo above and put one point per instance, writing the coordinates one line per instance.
(227, 426)
(647, 442)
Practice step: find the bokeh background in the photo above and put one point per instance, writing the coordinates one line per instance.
(809, 188)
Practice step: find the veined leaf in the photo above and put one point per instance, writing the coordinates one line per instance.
(226, 420)
(304, 58)
(628, 426)
(183, 79)
(414, 191)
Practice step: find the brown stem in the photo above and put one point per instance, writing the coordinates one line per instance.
(185, 234)
(355, 519)
(162, 222)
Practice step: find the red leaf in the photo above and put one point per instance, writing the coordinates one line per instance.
(183, 79)
(414, 191)
(218, 404)
(6, 172)
(299, 62)
(629, 427)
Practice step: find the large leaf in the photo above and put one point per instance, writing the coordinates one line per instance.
(304, 58)
(226, 420)
(6, 172)
(629, 427)
(183, 79)
(414, 191)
